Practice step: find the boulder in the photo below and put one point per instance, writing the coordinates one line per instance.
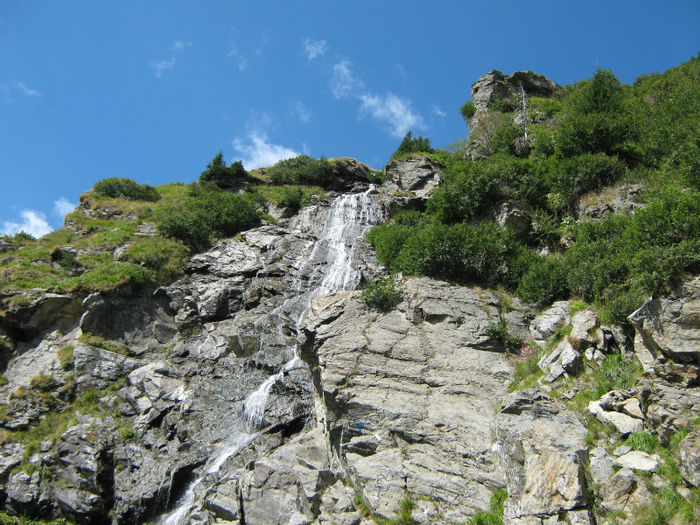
(624, 424)
(546, 323)
(638, 460)
(689, 459)
(544, 458)
(670, 325)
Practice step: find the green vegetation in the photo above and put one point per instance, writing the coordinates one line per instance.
(224, 177)
(125, 188)
(404, 516)
(494, 515)
(591, 135)
(411, 145)
(467, 110)
(6, 519)
(499, 332)
(383, 295)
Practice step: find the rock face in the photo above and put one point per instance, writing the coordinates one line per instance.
(495, 84)
(259, 388)
(410, 182)
(670, 326)
(410, 396)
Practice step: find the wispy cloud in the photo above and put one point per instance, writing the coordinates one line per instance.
(314, 48)
(168, 64)
(31, 221)
(160, 66)
(437, 111)
(343, 81)
(394, 112)
(299, 110)
(28, 91)
(63, 206)
(259, 152)
(180, 45)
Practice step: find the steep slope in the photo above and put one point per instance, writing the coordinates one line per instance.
(245, 381)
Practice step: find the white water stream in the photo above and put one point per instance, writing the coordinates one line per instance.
(349, 218)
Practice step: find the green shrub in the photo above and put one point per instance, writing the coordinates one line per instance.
(125, 188)
(544, 282)
(467, 110)
(43, 383)
(166, 257)
(224, 177)
(494, 516)
(499, 332)
(383, 295)
(210, 212)
(307, 171)
(23, 236)
(585, 173)
(411, 144)
(292, 197)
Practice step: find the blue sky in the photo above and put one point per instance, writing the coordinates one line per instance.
(152, 90)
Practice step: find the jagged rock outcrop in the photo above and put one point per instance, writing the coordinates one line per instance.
(670, 326)
(489, 93)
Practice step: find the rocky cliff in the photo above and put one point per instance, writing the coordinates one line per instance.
(259, 388)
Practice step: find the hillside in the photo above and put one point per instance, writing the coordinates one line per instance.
(525, 347)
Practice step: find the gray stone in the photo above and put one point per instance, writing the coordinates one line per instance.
(624, 424)
(548, 321)
(512, 216)
(671, 325)
(624, 492)
(583, 325)
(543, 455)
(601, 465)
(689, 458)
(638, 460)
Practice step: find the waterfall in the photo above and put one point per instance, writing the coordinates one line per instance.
(330, 267)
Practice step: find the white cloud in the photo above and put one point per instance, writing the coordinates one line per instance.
(161, 66)
(314, 48)
(180, 45)
(32, 222)
(242, 63)
(343, 81)
(393, 111)
(260, 153)
(63, 206)
(27, 91)
(438, 111)
(300, 111)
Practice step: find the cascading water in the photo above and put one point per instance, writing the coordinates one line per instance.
(330, 267)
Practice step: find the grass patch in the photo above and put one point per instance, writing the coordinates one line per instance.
(105, 344)
(65, 357)
(494, 515)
